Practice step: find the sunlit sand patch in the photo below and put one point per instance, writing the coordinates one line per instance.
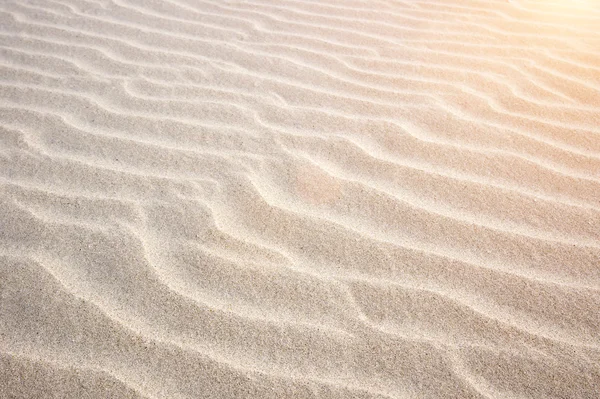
(316, 187)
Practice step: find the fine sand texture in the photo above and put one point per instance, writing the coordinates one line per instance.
(300, 199)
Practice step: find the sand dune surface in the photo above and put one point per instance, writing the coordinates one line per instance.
(300, 199)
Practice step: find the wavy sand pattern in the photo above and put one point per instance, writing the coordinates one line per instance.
(299, 199)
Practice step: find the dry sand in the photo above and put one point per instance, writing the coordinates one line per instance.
(299, 199)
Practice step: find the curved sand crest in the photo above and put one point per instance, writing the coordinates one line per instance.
(299, 199)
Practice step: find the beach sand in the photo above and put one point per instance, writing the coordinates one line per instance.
(299, 199)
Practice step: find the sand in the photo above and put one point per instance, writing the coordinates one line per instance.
(300, 199)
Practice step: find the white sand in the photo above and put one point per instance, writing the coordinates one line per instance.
(299, 199)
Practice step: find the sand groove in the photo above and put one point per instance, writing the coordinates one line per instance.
(299, 199)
